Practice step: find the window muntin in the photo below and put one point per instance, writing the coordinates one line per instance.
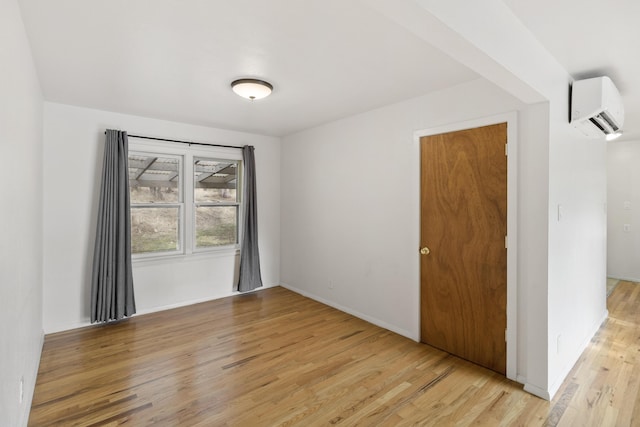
(216, 202)
(156, 203)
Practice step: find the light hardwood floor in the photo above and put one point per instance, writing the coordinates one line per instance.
(276, 358)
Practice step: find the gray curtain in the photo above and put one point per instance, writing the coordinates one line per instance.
(249, 278)
(112, 278)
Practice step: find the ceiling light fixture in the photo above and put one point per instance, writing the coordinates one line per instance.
(252, 88)
(612, 136)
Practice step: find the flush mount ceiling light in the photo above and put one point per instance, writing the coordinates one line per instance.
(251, 88)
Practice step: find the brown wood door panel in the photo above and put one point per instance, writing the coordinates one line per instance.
(464, 224)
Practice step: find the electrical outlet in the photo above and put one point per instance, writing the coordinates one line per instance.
(627, 205)
(330, 284)
(21, 390)
(626, 228)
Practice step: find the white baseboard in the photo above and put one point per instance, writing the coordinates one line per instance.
(537, 391)
(30, 388)
(352, 312)
(88, 323)
(197, 301)
(553, 389)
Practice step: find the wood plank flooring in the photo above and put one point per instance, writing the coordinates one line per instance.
(275, 358)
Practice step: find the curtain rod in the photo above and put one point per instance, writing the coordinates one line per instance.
(182, 142)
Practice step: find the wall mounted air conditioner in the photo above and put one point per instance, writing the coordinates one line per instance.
(596, 107)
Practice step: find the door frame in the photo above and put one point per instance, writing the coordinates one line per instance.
(511, 118)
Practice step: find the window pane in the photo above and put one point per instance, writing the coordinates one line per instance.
(215, 180)
(154, 179)
(216, 226)
(154, 229)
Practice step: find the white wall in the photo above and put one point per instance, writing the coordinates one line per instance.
(533, 198)
(20, 218)
(73, 147)
(577, 239)
(350, 211)
(623, 201)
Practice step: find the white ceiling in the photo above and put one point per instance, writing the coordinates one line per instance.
(327, 59)
(175, 60)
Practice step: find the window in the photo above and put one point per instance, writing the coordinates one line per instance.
(174, 215)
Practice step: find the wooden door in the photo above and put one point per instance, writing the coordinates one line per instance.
(464, 226)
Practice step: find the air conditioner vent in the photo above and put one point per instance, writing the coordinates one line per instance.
(605, 116)
(596, 107)
(596, 123)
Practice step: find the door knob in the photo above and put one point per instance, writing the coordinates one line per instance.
(425, 251)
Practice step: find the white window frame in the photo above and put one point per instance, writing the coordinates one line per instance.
(187, 220)
(179, 204)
